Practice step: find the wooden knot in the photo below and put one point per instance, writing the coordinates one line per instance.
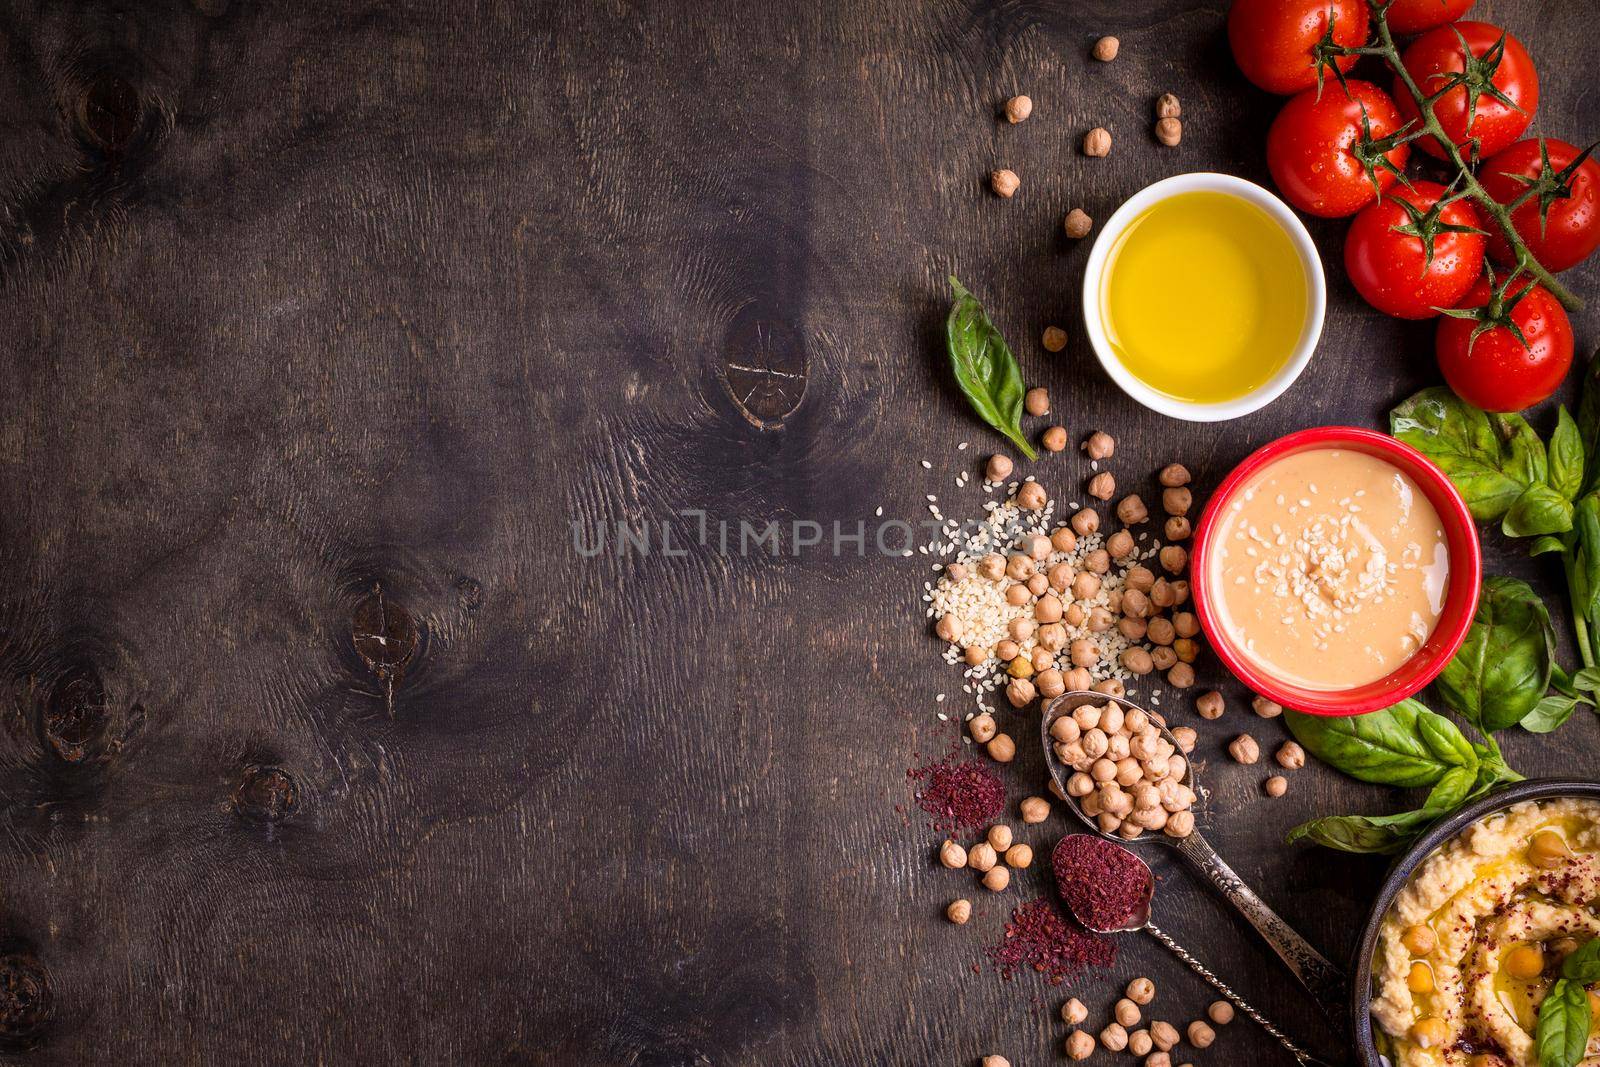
(764, 367)
(385, 637)
(73, 722)
(266, 795)
(109, 114)
(25, 999)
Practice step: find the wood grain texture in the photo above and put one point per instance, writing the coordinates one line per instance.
(309, 307)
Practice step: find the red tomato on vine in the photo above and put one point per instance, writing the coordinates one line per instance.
(1414, 16)
(1415, 251)
(1328, 154)
(1496, 91)
(1508, 347)
(1273, 40)
(1560, 222)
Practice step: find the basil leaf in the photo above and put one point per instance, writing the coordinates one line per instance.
(1503, 668)
(1525, 457)
(1583, 966)
(1376, 834)
(1563, 1025)
(1588, 678)
(1566, 456)
(1549, 714)
(1446, 796)
(1464, 443)
(985, 369)
(1540, 510)
(1586, 557)
(1589, 423)
(1402, 745)
(1546, 544)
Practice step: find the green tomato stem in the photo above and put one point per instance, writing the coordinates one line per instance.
(1493, 208)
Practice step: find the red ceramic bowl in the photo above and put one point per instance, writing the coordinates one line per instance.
(1461, 596)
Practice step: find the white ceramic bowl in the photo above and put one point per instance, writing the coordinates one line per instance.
(1316, 296)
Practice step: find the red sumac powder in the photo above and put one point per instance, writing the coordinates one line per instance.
(1038, 936)
(958, 794)
(1102, 883)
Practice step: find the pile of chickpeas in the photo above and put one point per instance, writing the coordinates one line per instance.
(1126, 775)
(1154, 1041)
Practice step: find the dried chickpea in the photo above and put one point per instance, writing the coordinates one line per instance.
(1077, 224)
(1276, 786)
(1200, 1035)
(952, 855)
(1036, 401)
(1019, 856)
(1177, 528)
(993, 566)
(1139, 577)
(1126, 1012)
(1165, 1035)
(999, 836)
(1120, 544)
(959, 911)
(1004, 183)
(975, 654)
(995, 1061)
(1111, 687)
(1169, 132)
(1020, 692)
(1106, 48)
(998, 469)
(1054, 339)
(1209, 704)
(1131, 510)
(1186, 738)
(982, 727)
(1114, 1037)
(1167, 107)
(1102, 485)
(1184, 624)
(1136, 660)
(1006, 650)
(1100, 445)
(1162, 594)
(1187, 648)
(1244, 749)
(1037, 584)
(1291, 757)
(1179, 824)
(1140, 1043)
(1078, 679)
(1050, 683)
(1063, 539)
(1141, 991)
(1018, 108)
(1032, 497)
(1086, 521)
(996, 879)
(1020, 667)
(1001, 748)
(1174, 558)
(1074, 1012)
(1098, 561)
(1054, 439)
(1079, 1046)
(1034, 810)
(1158, 1059)
(1265, 708)
(1160, 630)
(1180, 676)
(1220, 1012)
(1135, 603)
(1176, 501)
(981, 857)
(1163, 657)
(1085, 586)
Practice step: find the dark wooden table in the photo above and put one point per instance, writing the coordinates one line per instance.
(323, 744)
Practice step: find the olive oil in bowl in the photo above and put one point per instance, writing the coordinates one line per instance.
(1204, 297)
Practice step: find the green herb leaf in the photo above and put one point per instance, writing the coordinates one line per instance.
(1589, 423)
(1566, 456)
(1467, 447)
(1583, 965)
(1403, 745)
(1549, 714)
(1541, 510)
(1525, 456)
(1546, 544)
(1503, 668)
(1375, 834)
(1588, 678)
(1563, 1025)
(985, 369)
(1586, 557)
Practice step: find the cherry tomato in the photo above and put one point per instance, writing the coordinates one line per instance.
(1272, 39)
(1436, 55)
(1310, 148)
(1414, 16)
(1391, 269)
(1571, 230)
(1497, 372)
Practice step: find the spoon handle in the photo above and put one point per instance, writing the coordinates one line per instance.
(1325, 982)
(1222, 987)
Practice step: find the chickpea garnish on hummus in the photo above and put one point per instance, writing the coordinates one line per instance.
(1475, 941)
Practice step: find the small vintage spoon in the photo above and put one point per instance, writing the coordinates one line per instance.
(1140, 920)
(1325, 982)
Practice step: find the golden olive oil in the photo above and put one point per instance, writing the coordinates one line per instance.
(1204, 297)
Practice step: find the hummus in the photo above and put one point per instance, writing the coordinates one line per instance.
(1472, 943)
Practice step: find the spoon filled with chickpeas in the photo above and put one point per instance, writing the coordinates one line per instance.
(1127, 908)
(1125, 776)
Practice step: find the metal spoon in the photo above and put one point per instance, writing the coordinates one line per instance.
(1140, 920)
(1325, 982)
